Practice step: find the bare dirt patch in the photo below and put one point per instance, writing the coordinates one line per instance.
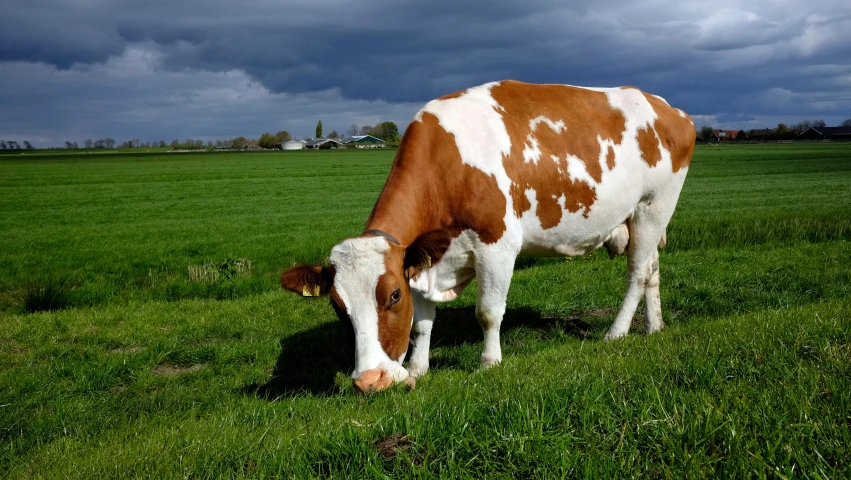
(128, 350)
(175, 371)
(392, 445)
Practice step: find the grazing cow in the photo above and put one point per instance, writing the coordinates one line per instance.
(490, 173)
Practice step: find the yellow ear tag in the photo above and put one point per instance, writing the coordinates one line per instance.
(310, 290)
(428, 261)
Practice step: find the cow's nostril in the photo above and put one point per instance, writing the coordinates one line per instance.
(373, 381)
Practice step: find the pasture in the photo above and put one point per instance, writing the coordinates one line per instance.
(143, 333)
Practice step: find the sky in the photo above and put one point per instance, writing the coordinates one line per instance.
(215, 69)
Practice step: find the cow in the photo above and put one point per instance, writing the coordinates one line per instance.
(490, 173)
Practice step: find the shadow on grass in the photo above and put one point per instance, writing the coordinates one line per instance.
(310, 361)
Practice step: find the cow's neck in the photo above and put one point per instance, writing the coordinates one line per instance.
(408, 205)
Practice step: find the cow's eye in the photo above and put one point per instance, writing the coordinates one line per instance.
(395, 297)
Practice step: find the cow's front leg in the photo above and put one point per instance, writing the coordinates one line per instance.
(494, 275)
(424, 311)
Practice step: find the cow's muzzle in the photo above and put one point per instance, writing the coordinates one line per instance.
(378, 379)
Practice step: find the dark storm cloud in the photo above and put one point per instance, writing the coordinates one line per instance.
(728, 62)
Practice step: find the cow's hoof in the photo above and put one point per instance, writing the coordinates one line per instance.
(417, 370)
(488, 362)
(410, 382)
(614, 336)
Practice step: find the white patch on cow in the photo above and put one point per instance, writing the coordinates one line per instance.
(577, 171)
(531, 151)
(448, 278)
(556, 126)
(662, 99)
(359, 262)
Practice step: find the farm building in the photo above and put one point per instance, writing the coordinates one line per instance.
(364, 141)
(323, 143)
(724, 135)
(826, 133)
(292, 145)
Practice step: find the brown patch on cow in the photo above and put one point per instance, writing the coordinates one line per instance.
(394, 319)
(430, 188)
(610, 157)
(426, 251)
(452, 95)
(649, 146)
(674, 131)
(586, 115)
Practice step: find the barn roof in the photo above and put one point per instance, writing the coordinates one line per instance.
(363, 139)
(320, 141)
(830, 130)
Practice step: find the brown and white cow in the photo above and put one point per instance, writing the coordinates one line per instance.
(490, 173)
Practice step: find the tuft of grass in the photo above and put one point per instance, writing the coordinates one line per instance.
(213, 271)
(45, 296)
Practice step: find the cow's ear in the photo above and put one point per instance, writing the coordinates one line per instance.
(426, 251)
(308, 281)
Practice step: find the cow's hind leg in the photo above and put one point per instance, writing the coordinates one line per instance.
(424, 311)
(647, 226)
(494, 276)
(652, 301)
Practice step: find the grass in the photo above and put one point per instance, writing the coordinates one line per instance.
(146, 369)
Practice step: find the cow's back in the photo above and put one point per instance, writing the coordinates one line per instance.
(572, 163)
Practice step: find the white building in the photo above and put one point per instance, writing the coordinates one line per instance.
(292, 145)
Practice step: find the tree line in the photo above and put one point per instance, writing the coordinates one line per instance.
(781, 132)
(13, 145)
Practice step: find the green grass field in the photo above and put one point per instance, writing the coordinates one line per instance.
(143, 334)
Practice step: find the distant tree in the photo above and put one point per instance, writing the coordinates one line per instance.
(782, 131)
(319, 129)
(161, 144)
(87, 143)
(238, 142)
(110, 143)
(353, 130)
(100, 143)
(175, 143)
(389, 131)
(818, 123)
(706, 133)
(28, 145)
(802, 127)
(69, 145)
(283, 136)
(333, 134)
(742, 135)
(846, 123)
(366, 130)
(2, 145)
(267, 140)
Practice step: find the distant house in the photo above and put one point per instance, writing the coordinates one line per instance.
(292, 145)
(826, 133)
(364, 141)
(724, 135)
(323, 143)
(761, 134)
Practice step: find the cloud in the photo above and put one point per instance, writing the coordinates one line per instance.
(231, 68)
(129, 96)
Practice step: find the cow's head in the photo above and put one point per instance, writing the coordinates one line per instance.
(368, 283)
